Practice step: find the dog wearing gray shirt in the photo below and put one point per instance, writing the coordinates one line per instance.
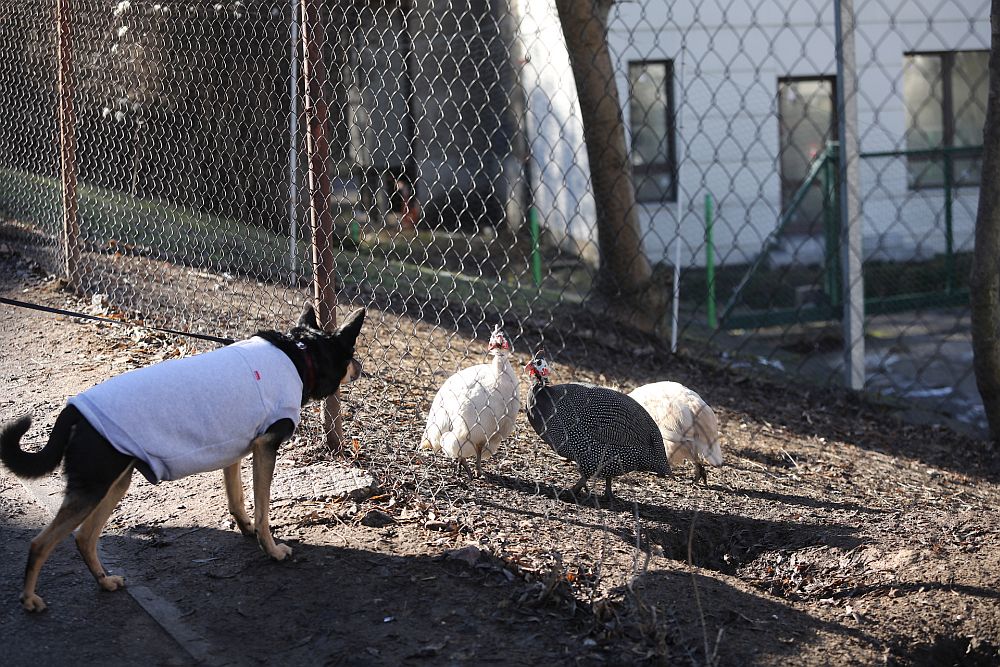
(177, 418)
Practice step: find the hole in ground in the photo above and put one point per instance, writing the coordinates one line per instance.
(725, 543)
(946, 651)
(713, 552)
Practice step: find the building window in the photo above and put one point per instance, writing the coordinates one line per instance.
(945, 98)
(651, 121)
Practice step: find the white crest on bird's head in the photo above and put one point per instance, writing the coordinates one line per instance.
(498, 341)
(538, 368)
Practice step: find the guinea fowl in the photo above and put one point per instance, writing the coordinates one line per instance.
(688, 425)
(475, 409)
(604, 431)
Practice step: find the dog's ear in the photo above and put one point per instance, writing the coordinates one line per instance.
(349, 332)
(308, 317)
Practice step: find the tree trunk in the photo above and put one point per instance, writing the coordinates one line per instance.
(985, 280)
(625, 276)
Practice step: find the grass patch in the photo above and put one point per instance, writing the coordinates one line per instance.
(777, 288)
(117, 222)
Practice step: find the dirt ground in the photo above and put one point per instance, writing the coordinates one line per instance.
(834, 534)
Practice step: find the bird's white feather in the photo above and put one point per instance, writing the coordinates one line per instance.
(690, 428)
(474, 410)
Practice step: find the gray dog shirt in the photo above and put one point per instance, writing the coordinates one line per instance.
(200, 413)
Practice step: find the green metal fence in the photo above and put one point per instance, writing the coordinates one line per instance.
(947, 287)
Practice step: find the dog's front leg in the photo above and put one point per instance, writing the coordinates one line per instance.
(237, 502)
(265, 451)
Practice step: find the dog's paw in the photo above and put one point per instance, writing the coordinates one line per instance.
(280, 552)
(32, 602)
(111, 583)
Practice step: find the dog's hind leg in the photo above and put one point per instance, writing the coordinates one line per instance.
(236, 499)
(90, 531)
(74, 509)
(265, 451)
(92, 468)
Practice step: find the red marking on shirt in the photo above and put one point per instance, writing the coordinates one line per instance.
(256, 374)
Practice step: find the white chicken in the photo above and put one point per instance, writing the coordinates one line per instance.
(688, 425)
(475, 409)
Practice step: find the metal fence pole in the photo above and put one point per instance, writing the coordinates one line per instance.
(832, 272)
(713, 321)
(850, 208)
(320, 215)
(67, 141)
(293, 144)
(949, 233)
(678, 239)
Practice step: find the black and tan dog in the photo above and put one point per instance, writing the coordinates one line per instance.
(176, 418)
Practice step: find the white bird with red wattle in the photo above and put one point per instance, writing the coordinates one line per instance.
(475, 409)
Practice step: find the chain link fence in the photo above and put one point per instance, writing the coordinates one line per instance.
(196, 160)
(455, 170)
(210, 166)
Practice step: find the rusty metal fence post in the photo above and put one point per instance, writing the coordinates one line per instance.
(67, 142)
(320, 215)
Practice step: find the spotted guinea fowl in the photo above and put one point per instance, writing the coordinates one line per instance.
(475, 409)
(604, 431)
(688, 425)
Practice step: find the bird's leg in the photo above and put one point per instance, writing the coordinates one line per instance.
(608, 496)
(479, 464)
(579, 486)
(465, 466)
(699, 473)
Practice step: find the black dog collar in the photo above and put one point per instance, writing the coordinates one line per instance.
(309, 374)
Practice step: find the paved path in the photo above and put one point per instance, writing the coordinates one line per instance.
(85, 626)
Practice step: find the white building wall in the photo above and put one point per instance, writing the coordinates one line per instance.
(560, 169)
(726, 66)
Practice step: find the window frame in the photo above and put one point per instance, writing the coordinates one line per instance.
(947, 63)
(788, 187)
(669, 166)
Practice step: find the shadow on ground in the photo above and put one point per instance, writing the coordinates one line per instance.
(714, 541)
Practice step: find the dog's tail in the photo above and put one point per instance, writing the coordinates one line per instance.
(35, 464)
